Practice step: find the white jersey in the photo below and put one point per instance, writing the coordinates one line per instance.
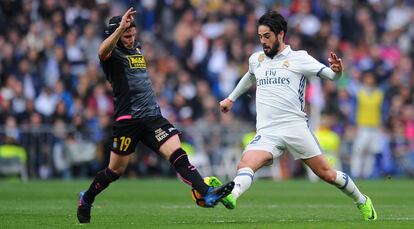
(280, 86)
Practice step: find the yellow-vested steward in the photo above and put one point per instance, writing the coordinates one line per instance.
(369, 108)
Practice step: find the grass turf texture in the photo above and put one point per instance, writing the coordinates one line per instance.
(168, 204)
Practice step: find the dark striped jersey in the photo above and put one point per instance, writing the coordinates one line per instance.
(134, 97)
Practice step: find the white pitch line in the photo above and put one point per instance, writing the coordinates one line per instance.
(398, 219)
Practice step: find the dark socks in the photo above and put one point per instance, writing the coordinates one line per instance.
(102, 180)
(187, 172)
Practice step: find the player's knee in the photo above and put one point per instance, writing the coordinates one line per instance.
(119, 171)
(172, 145)
(241, 165)
(244, 163)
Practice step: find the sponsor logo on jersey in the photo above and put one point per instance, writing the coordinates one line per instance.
(273, 80)
(136, 61)
(270, 72)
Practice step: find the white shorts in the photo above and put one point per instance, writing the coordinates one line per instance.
(298, 140)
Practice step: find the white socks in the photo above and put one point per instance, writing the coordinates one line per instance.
(242, 181)
(347, 186)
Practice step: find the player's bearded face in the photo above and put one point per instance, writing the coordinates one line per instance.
(272, 51)
(269, 41)
(128, 38)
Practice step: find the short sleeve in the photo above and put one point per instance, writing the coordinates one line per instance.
(254, 61)
(309, 66)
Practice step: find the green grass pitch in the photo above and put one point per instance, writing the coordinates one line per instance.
(167, 203)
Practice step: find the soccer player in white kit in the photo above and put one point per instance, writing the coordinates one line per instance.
(280, 75)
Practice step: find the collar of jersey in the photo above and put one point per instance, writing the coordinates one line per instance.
(130, 51)
(285, 52)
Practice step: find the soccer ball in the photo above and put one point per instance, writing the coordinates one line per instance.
(197, 197)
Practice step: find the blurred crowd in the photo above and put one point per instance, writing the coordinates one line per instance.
(57, 105)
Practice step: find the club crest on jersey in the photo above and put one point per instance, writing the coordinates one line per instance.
(136, 61)
(285, 64)
(261, 58)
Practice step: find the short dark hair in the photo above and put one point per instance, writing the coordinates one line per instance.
(275, 21)
(114, 23)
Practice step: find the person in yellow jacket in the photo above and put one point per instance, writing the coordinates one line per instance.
(13, 159)
(368, 121)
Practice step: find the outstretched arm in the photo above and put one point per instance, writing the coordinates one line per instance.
(109, 43)
(334, 72)
(245, 83)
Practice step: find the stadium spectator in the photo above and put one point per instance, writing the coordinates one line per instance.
(61, 157)
(46, 102)
(399, 146)
(81, 155)
(89, 43)
(368, 120)
(211, 139)
(13, 159)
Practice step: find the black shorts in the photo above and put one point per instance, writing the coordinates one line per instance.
(151, 131)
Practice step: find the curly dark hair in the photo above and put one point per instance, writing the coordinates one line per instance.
(275, 21)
